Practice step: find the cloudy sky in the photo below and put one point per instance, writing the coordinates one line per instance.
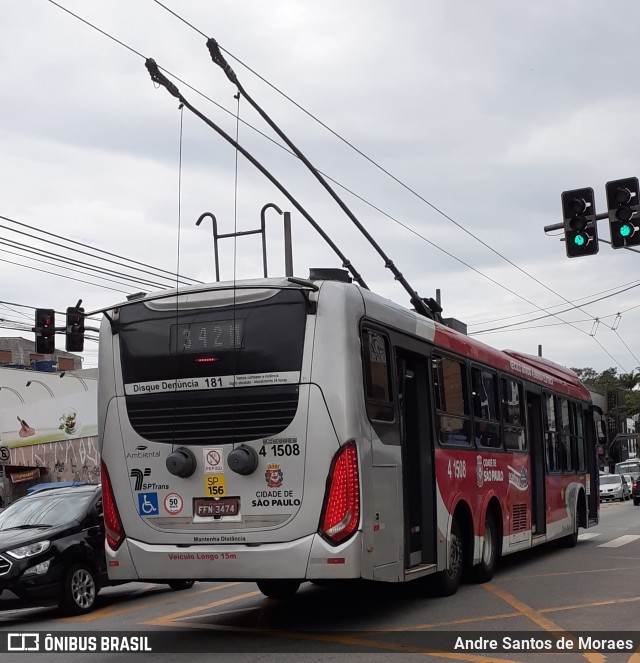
(469, 119)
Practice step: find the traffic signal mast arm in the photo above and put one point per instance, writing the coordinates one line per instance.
(560, 226)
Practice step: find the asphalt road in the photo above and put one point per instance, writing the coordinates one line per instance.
(542, 595)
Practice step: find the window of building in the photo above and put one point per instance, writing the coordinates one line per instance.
(5, 357)
(452, 401)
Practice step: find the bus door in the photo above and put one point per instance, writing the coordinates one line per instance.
(417, 460)
(535, 436)
(593, 471)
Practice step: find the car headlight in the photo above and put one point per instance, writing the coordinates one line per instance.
(30, 550)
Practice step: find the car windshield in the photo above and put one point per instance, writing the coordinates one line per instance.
(44, 509)
(611, 479)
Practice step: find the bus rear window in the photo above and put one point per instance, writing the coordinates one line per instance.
(258, 338)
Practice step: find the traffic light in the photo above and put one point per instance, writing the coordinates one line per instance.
(580, 225)
(45, 330)
(623, 203)
(74, 331)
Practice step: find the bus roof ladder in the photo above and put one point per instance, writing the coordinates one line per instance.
(288, 250)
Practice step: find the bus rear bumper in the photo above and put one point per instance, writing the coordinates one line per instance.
(309, 558)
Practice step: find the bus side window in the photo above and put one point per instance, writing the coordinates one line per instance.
(451, 400)
(552, 451)
(566, 446)
(377, 376)
(486, 413)
(578, 426)
(512, 415)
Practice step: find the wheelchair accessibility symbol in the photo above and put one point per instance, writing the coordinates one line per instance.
(148, 504)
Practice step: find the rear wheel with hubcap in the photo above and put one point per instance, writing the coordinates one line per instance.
(448, 581)
(483, 572)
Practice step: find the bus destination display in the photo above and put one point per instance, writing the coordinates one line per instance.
(199, 337)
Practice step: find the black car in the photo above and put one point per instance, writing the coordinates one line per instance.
(52, 548)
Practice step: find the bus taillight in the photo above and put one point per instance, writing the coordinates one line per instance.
(114, 531)
(341, 509)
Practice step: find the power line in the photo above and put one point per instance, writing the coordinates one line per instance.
(403, 185)
(375, 164)
(171, 276)
(519, 315)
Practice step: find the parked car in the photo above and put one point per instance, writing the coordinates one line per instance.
(630, 478)
(635, 490)
(52, 548)
(614, 487)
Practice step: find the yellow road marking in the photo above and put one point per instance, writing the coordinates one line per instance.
(570, 573)
(167, 620)
(110, 611)
(336, 639)
(456, 622)
(537, 618)
(635, 657)
(592, 604)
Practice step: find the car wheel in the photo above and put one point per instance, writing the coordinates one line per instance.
(179, 585)
(278, 589)
(79, 589)
(483, 572)
(448, 581)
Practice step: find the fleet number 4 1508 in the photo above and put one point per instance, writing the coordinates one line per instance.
(457, 469)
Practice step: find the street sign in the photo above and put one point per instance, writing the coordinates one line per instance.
(5, 455)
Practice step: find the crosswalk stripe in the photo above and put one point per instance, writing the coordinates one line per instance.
(620, 541)
(588, 535)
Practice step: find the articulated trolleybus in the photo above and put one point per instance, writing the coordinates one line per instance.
(283, 430)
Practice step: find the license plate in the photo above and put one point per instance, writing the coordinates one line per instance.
(225, 506)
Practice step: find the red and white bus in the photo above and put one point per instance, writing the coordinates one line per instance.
(283, 430)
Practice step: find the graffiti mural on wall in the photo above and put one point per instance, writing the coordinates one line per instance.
(66, 460)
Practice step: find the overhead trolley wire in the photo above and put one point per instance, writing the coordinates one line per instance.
(633, 284)
(270, 139)
(372, 161)
(365, 156)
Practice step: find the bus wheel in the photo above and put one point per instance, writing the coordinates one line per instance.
(449, 580)
(179, 585)
(571, 540)
(278, 589)
(483, 572)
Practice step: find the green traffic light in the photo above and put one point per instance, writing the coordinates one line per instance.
(625, 230)
(579, 240)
